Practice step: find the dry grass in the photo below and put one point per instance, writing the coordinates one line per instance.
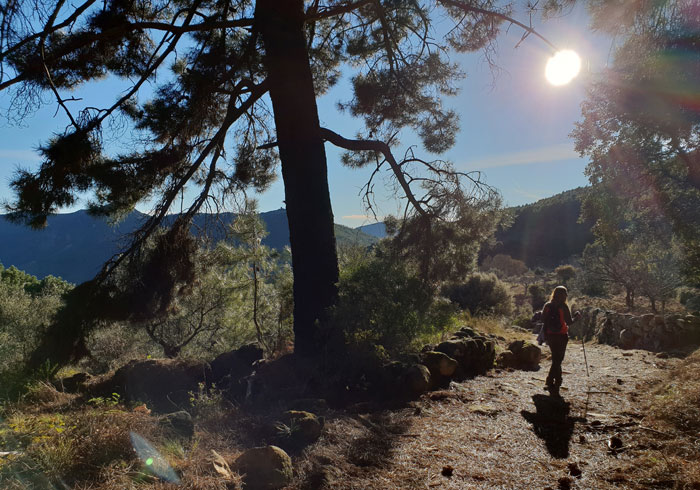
(668, 449)
(495, 431)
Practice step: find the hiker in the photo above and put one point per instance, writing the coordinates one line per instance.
(557, 318)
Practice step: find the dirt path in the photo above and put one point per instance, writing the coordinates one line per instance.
(500, 431)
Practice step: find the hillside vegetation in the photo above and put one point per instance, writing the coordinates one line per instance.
(546, 233)
(74, 246)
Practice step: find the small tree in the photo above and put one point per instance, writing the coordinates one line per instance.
(565, 273)
(660, 275)
(481, 294)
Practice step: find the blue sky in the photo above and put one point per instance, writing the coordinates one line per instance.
(514, 125)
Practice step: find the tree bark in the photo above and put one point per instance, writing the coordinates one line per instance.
(311, 232)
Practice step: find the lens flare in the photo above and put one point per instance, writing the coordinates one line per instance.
(152, 459)
(562, 67)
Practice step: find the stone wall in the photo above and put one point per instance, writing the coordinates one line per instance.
(650, 332)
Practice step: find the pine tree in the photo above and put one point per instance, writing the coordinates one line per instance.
(208, 124)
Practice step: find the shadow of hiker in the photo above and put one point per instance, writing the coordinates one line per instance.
(376, 447)
(552, 423)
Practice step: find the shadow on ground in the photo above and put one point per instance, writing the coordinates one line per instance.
(552, 423)
(376, 447)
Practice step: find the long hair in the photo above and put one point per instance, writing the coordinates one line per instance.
(559, 290)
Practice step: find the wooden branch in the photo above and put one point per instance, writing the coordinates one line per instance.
(470, 8)
(48, 30)
(334, 11)
(232, 114)
(380, 147)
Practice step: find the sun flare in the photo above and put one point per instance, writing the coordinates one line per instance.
(562, 67)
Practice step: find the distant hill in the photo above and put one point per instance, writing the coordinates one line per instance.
(74, 246)
(546, 233)
(375, 229)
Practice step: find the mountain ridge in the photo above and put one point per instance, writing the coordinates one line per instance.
(74, 245)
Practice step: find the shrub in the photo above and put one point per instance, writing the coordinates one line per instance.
(590, 285)
(565, 273)
(690, 298)
(538, 296)
(481, 294)
(383, 302)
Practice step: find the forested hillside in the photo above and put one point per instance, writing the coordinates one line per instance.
(547, 232)
(74, 246)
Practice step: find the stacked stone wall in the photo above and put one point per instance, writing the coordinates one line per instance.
(650, 332)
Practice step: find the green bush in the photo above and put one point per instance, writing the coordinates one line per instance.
(538, 296)
(481, 294)
(565, 273)
(590, 285)
(384, 303)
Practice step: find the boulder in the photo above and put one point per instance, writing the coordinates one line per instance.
(523, 355)
(439, 364)
(299, 428)
(180, 423)
(415, 381)
(163, 384)
(506, 359)
(464, 332)
(264, 468)
(288, 378)
(74, 384)
(529, 357)
(235, 364)
(475, 355)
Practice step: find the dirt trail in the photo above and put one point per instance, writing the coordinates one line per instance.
(500, 431)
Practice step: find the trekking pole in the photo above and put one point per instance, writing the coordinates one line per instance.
(585, 359)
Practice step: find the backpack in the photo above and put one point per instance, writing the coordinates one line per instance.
(552, 322)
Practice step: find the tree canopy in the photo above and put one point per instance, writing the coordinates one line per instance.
(641, 123)
(234, 92)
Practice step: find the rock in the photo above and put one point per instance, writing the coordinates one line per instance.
(455, 349)
(180, 423)
(235, 364)
(74, 384)
(439, 364)
(505, 359)
(287, 378)
(163, 384)
(521, 355)
(529, 356)
(264, 468)
(303, 428)
(415, 381)
(474, 355)
(516, 346)
(628, 339)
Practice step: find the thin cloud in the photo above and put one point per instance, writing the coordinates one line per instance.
(545, 154)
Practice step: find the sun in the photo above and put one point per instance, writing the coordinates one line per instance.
(562, 67)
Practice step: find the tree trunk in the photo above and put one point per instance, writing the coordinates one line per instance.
(311, 233)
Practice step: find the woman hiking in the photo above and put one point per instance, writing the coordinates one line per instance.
(557, 318)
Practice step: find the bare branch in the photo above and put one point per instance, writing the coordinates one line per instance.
(491, 13)
(378, 146)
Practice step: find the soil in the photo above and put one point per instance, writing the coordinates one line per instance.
(499, 431)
